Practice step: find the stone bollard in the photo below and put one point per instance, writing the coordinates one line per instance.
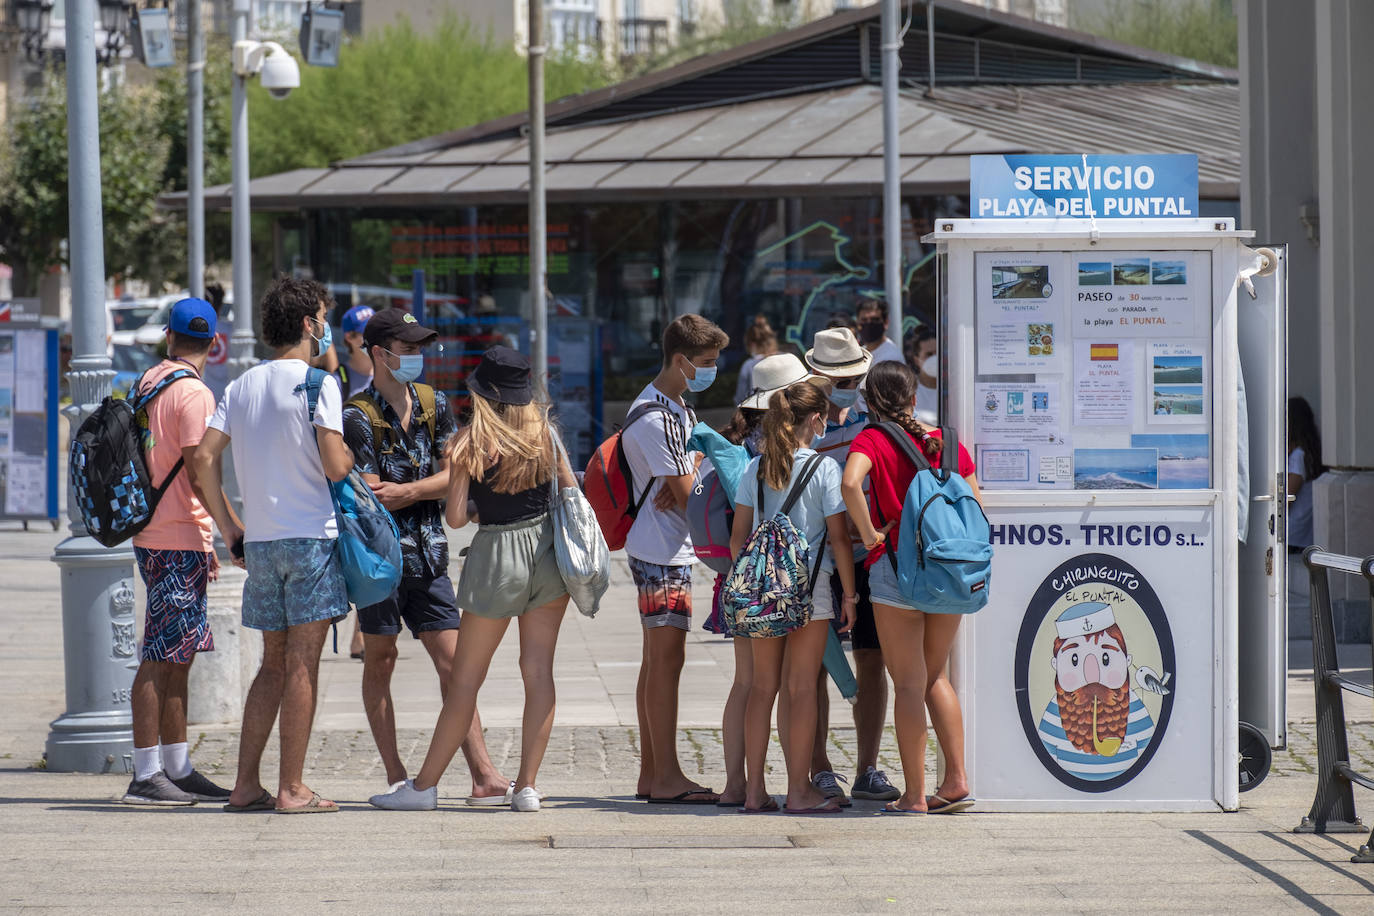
(220, 679)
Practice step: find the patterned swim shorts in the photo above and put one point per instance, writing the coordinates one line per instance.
(292, 581)
(175, 628)
(665, 594)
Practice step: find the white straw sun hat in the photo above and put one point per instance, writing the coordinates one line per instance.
(772, 374)
(837, 354)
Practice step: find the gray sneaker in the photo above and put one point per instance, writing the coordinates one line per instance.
(873, 784)
(828, 784)
(156, 790)
(195, 783)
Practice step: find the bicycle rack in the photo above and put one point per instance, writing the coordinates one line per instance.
(1333, 808)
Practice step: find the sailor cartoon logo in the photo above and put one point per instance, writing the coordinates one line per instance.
(1094, 673)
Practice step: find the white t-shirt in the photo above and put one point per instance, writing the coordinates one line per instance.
(1300, 512)
(656, 446)
(276, 458)
(819, 500)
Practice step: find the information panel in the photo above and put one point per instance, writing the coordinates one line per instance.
(28, 422)
(1093, 370)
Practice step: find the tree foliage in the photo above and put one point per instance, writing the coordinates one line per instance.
(1203, 30)
(397, 86)
(139, 239)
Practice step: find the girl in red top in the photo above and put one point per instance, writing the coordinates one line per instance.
(915, 644)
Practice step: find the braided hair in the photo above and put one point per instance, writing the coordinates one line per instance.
(890, 391)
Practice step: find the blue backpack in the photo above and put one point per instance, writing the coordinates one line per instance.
(768, 591)
(943, 559)
(369, 543)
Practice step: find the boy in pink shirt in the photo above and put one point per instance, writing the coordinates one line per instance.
(176, 559)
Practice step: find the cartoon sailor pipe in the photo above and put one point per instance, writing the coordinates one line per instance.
(1095, 726)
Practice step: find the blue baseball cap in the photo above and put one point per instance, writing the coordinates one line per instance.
(192, 318)
(355, 319)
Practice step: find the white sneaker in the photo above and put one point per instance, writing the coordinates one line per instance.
(405, 797)
(527, 799)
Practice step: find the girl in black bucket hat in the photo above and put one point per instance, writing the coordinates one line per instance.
(502, 462)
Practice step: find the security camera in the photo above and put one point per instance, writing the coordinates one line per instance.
(279, 71)
(280, 74)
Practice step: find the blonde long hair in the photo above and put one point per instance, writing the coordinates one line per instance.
(515, 440)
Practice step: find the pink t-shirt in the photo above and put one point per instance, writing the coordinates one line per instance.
(177, 419)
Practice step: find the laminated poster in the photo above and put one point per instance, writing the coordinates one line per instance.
(1178, 383)
(1139, 294)
(1020, 311)
(1009, 412)
(1103, 383)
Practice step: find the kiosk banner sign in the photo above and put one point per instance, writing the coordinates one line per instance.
(1082, 186)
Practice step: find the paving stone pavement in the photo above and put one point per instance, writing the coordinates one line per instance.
(66, 845)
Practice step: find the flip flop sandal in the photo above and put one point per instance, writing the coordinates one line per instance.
(823, 807)
(264, 802)
(942, 805)
(725, 804)
(685, 798)
(768, 807)
(889, 810)
(641, 796)
(313, 806)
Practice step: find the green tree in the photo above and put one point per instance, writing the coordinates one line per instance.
(1203, 30)
(139, 239)
(397, 86)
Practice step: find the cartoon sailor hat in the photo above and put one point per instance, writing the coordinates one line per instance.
(1081, 619)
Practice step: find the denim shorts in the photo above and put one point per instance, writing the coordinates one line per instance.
(292, 581)
(882, 584)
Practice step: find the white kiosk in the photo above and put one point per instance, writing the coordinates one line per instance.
(1091, 346)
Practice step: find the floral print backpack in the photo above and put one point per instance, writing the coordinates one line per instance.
(768, 590)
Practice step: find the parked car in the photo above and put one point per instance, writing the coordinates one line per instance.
(128, 363)
(124, 318)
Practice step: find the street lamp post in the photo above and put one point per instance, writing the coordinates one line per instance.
(95, 734)
(241, 357)
(195, 150)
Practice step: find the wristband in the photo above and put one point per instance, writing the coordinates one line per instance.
(851, 599)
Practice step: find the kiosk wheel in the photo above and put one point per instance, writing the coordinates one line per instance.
(1255, 756)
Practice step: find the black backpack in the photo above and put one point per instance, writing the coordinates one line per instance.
(108, 470)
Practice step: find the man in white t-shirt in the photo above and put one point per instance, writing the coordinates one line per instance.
(872, 334)
(660, 549)
(284, 461)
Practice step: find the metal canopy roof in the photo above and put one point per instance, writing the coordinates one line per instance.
(827, 142)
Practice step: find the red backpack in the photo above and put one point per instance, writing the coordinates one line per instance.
(609, 485)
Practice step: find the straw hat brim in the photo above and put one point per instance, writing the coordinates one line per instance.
(759, 399)
(857, 366)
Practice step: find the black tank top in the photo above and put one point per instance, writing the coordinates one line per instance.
(506, 508)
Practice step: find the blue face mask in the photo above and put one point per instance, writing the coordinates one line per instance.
(843, 397)
(704, 377)
(410, 368)
(326, 340)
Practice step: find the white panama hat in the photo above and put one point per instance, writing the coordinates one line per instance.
(837, 353)
(772, 374)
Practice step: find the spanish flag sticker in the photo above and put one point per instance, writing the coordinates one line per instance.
(1103, 351)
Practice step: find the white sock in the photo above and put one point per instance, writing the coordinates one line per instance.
(147, 762)
(176, 760)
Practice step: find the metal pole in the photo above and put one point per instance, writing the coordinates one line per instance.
(892, 177)
(195, 151)
(538, 233)
(95, 734)
(241, 248)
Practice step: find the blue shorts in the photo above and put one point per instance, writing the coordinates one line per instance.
(426, 605)
(175, 628)
(882, 585)
(292, 581)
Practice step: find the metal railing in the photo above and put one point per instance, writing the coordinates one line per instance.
(1333, 808)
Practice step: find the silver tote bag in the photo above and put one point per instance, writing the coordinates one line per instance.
(584, 561)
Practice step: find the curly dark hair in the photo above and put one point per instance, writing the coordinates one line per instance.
(287, 301)
(742, 425)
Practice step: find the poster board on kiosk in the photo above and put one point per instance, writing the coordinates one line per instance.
(1089, 320)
